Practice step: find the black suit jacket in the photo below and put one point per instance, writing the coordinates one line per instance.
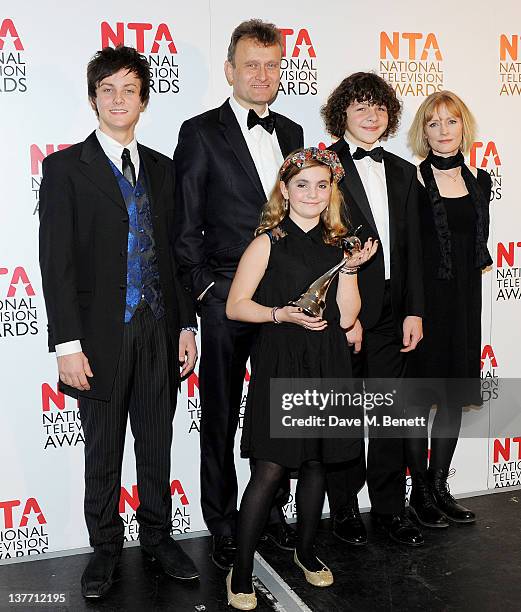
(83, 254)
(405, 244)
(219, 196)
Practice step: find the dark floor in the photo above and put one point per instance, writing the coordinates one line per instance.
(468, 567)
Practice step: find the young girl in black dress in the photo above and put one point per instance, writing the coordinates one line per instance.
(298, 240)
(454, 222)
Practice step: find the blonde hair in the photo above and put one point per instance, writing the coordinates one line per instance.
(455, 105)
(275, 209)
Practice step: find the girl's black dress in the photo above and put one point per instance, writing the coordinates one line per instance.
(291, 351)
(451, 345)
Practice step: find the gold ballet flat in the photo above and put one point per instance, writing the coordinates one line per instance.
(321, 578)
(240, 601)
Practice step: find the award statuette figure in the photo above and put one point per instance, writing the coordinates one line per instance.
(313, 301)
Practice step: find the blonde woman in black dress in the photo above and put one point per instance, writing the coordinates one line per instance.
(454, 221)
(298, 240)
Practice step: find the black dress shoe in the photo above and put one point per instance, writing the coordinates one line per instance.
(348, 525)
(444, 500)
(422, 505)
(399, 528)
(172, 559)
(98, 575)
(282, 535)
(223, 551)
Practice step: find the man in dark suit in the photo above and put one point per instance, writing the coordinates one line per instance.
(380, 192)
(119, 320)
(227, 161)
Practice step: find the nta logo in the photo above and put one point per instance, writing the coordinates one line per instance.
(8, 30)
(132, 498)
(506, 253)
(508, 271)
(134, 34)
(303, 40)
(509, 46)
(31, 506)
(411, 62)
(18, 314)
(298, 70)
(503, 449)
(413, 42)
(488, 353)
(488, 154)
(13, 68)
(509, 65)
(156, 42)
(19, 276)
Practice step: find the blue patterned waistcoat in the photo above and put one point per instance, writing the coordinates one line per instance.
(142, 267)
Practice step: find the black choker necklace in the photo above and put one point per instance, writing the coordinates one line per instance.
(446, 163)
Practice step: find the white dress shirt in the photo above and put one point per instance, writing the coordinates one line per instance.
(372, 175)
(263, 146)
(113, 151)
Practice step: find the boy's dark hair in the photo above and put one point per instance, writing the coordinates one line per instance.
(360, 87)
(263, 32)
(109, 61)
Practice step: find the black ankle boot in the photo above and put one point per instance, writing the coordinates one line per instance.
(422, 504)
(444, 500)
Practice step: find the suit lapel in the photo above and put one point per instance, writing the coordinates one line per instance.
(233, 134)
(394, 180)
(353, 182)
(284, 138)
(97, 168)
(155, 176)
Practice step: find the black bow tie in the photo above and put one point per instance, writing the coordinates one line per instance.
(377, 154)
(268, 122)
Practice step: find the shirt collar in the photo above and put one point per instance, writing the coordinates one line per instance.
(242, 113)
(353, 147)
(113, 149)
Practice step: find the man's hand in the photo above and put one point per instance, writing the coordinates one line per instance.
(187, 352)
(354, 336)
(74, 369)
(412, 333)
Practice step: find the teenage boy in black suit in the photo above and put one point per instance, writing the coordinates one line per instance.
(380, 191)
(119, 320)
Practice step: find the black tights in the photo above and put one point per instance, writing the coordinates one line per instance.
(444, 438)
(255, 508)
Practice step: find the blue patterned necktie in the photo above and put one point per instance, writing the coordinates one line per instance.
(129, 171)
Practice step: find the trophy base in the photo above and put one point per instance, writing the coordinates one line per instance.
(308, 306)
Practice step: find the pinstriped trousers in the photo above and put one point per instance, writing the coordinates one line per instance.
(145, 389)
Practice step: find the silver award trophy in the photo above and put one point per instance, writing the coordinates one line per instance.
(313, 300)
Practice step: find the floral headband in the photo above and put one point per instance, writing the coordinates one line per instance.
(327, 157)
